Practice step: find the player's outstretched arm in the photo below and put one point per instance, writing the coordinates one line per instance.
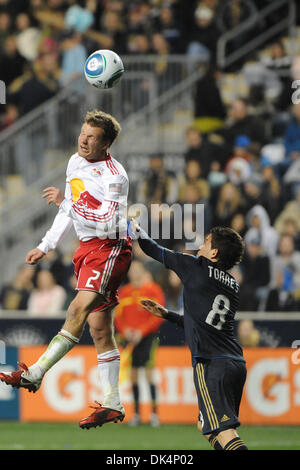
(178, 262)
(60, 226)
(154, 307)
(149, 246)
(33, 256)
(160, 311)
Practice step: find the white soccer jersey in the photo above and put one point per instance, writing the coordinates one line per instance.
(95, 202)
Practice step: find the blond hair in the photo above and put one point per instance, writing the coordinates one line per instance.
(111, 127)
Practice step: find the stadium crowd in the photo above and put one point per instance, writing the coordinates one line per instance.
(245, 169)
(46, 42)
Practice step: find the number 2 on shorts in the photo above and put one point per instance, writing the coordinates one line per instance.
(92, 278)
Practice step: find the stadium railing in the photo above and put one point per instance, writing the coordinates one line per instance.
(226, 58)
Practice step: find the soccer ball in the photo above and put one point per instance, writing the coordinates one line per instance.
(103, 69)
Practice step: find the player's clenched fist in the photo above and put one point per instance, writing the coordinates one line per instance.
(53, 195)
(33, 256)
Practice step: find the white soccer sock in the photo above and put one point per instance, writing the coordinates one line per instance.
(109, 368)
(62, 343)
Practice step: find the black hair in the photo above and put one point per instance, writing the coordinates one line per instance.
(230, 246)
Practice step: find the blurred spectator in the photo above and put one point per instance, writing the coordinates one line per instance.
(292, 134)
(9, 116)
(228, 204)
(139, 91)
(254, 156)
(264, 83)
(74, 55)
(242, 123)
(204, 34)
(194, 207)
(139, 44)
(11, 62)
(216, 178)
(233, 12)
(5, 26)
(114, 28)
(285, 277)
(139, 328)
(270, 197)
(252, 191)
(23, 22)
(167, 71)
(160, 185)
(238, 171)
(41, 83)
(15, 295)
(48, 298)
(167, 25)
(291, 179)
(53, 262)
(78, 19)
(278, 59)
(248, 335)
(290, 211)
(241, 146)
(209, 109)
(280, 62)
(238, 223)
(28, 42)
(174, 292)
(193, 176)
(291, 228)
(138, 20)
(260, 229)
(205, 150)
(256, 277)
(238, 168)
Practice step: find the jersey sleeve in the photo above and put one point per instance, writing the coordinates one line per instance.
(116, 188)
(175, 318)
(59, 229)
(178, 262)
(110, 216)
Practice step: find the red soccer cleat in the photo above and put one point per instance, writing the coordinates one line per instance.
(100, 416)
(17, 379)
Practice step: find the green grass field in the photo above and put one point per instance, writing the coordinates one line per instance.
(65, 436)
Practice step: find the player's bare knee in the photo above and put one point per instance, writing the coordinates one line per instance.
(102, 335)
(77, 311)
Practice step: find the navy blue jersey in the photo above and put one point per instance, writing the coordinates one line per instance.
(211, 298)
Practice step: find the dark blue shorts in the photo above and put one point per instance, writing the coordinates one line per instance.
(219, 384)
